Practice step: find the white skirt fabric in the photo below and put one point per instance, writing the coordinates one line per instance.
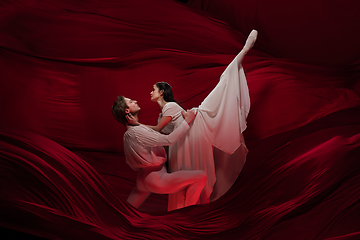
(214, 143)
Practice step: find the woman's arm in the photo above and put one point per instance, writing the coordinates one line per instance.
(162, 123)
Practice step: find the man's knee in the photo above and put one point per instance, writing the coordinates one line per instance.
(153, 183)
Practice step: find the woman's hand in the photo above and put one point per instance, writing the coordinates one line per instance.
(189, 115)
(132, 120)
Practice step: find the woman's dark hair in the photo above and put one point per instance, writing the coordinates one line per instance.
(168, 93)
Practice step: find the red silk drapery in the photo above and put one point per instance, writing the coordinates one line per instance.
(64, 62)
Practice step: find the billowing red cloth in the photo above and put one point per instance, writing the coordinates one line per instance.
(63, 63)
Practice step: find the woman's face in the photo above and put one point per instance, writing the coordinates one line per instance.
(155, 93)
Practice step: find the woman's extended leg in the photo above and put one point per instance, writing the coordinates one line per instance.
(250, 41)
(165, 183)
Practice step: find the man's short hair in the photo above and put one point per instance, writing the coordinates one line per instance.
(118, 109)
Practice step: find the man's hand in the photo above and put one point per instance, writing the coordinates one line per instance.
(189, 115)
(132, 120)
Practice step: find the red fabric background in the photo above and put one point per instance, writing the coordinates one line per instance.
(63, 63)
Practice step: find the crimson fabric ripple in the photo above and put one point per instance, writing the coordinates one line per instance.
(63, 173)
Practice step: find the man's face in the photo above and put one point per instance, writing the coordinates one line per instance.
(133, 106)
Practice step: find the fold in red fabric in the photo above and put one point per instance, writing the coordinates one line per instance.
(63, 63)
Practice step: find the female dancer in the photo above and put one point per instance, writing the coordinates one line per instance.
(220, 121)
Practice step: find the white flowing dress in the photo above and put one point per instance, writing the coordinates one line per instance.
(214, 143)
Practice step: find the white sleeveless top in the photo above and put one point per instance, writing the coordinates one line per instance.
(171, 109)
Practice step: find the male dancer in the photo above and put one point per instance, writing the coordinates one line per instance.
(144, 153)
